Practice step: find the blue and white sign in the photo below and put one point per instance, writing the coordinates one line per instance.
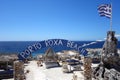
(50, 43)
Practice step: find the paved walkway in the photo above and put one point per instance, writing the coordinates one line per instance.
(41, 73)
(35, 73)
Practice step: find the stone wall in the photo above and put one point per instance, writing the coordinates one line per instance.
(18, 70)
(87, 68)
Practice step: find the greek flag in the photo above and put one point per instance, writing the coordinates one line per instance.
(105, 10)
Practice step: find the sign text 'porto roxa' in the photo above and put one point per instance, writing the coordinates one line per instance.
(50, 43)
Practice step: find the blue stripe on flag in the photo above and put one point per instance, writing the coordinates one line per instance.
(105, 10)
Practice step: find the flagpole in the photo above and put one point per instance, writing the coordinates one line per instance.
(111, 19)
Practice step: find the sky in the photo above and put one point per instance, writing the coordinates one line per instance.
(36, 20)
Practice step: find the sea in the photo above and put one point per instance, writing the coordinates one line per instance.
(16, 47)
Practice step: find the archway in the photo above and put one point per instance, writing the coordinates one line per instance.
(50, 43)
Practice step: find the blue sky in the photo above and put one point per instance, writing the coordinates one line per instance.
(31, 20)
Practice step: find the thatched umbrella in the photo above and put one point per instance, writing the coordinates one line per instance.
(5, 60)
(50, 55)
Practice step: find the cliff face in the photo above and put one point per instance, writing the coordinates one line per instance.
(110, 65)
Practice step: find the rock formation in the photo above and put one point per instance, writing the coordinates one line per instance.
(110, 57)
(102, 73)
(110, 65)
